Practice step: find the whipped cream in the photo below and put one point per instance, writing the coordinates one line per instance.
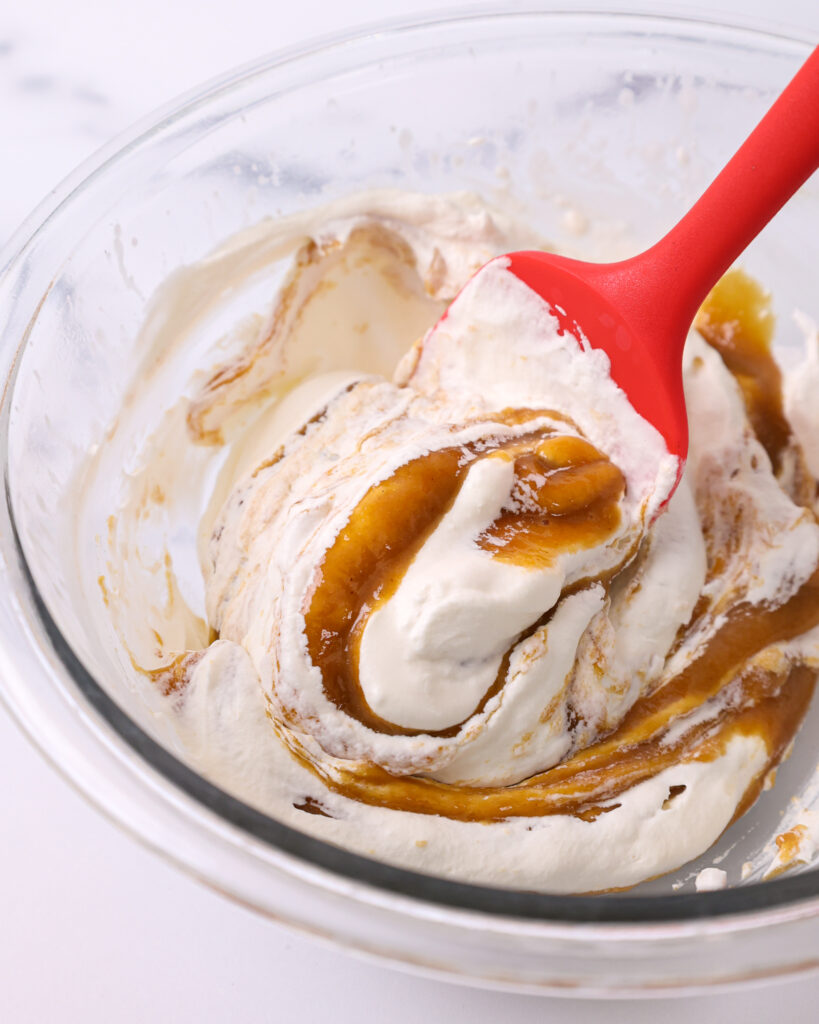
(474, 671)
(431, 650)
(710, 879)
(800, 393)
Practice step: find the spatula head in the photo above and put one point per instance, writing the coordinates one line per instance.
(588, 300)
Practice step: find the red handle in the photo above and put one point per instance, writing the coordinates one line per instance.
(668, 282)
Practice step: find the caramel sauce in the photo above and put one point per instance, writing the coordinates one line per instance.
(367, 561)
(789, 843)
(565, 497)
(559, 506)
(736, 319)
(751, 701)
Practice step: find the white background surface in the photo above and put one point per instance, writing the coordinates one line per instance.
(92, 927)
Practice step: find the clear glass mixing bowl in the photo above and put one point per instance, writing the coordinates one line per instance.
(601, 128)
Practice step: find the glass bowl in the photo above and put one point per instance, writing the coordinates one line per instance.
(601, 128)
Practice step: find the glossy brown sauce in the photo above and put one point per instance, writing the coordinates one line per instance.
(564, 497)
(556, 504)
(789, 844)
(736, 319)
(752, 701)
(367, 559)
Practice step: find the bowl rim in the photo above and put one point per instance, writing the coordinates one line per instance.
(499, 903)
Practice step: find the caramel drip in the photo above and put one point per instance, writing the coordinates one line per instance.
(736, 319)
(565, 498)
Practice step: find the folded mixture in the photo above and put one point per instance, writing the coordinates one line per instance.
(447, 616)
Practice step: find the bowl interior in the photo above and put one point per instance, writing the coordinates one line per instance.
(600, 131)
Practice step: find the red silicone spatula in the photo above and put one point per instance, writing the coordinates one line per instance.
(640, 310)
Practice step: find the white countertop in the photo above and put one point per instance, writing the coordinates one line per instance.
(93, 928)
